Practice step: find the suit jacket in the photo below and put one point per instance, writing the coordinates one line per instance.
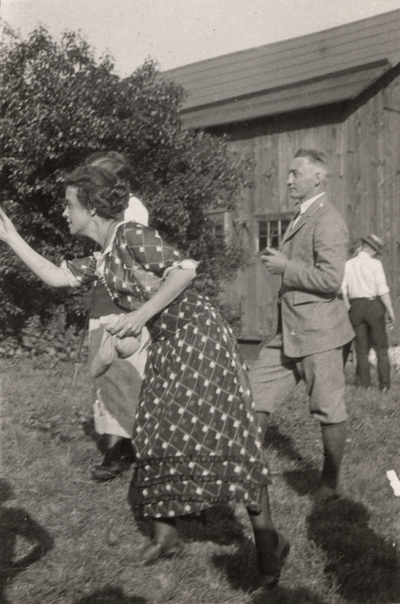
(314, 316)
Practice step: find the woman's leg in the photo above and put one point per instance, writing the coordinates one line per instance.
(165, 542)
(272, 547)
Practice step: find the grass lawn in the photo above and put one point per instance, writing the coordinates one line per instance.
(66, 539)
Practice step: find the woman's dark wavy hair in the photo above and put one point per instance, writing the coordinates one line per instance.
(116, 162)
(99, 189)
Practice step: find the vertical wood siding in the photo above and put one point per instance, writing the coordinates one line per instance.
(363, 142)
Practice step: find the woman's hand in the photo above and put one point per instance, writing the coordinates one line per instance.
(130, 324)
(7, 229)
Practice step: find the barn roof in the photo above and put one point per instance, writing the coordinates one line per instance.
(317, 69)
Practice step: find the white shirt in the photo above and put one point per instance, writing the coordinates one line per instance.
(304, 207)
(364, 277)
(136, 211)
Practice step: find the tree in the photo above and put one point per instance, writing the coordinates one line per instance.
(57, 106)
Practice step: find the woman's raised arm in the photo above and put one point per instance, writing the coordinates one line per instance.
(48, 272)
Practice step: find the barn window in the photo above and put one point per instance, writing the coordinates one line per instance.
(220, 222)
(271, 231)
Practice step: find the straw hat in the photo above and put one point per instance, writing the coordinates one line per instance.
(374, 241)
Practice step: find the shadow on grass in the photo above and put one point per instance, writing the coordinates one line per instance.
(303, 480)
(110, 595)
(240, 571)
(15, 524)
(366, 566)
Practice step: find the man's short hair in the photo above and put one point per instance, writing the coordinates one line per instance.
(315, 157)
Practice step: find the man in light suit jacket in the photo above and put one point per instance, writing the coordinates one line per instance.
(313, 322)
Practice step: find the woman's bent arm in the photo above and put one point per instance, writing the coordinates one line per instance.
(133, 322)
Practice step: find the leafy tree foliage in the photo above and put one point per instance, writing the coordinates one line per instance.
(57, 106)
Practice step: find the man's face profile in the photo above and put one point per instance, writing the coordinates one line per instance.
(303, 179)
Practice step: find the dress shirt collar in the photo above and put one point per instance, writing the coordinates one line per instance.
(306, 204)
(363, 254)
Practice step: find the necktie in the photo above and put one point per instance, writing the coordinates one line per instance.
(296, 214)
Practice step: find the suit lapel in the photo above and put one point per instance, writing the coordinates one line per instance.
(314, 207)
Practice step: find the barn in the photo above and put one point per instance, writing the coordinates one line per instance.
(337, 90)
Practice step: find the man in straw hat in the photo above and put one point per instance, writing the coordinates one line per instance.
(366, 290)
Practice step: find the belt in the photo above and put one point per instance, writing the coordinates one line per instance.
(353, 299)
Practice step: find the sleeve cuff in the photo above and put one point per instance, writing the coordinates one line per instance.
(73, 281)
(183, 265)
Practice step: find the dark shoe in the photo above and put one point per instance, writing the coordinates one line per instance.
(104, 472)
(112, 466)
(155, 551)
(270, 563)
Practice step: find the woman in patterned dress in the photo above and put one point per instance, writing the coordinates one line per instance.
(196, 438)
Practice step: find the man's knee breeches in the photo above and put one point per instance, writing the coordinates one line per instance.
(274, 377)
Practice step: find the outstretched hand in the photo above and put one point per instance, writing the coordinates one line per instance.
(7, 229)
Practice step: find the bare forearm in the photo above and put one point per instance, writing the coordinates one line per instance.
(132, 323)
(176, 282)
(48, 272)
(387, 302)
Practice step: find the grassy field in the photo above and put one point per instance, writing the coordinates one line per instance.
(65, 539)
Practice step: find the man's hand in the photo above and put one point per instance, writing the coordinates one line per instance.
(275, 262)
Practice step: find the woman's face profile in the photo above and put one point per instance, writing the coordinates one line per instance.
(78, 217)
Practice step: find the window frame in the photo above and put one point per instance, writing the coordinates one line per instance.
(280, 218)
(226, 221)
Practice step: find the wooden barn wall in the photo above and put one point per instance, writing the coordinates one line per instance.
(363, 141)
(272, 144)
(373, 174)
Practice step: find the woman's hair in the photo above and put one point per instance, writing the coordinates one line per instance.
(99, 189)
(116, 162)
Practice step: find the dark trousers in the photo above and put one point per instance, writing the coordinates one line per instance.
(368, 320)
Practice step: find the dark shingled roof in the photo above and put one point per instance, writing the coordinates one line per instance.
(317, 69)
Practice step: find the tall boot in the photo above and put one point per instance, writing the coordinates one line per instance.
(116, 459)
(333, 439)
(271, 546)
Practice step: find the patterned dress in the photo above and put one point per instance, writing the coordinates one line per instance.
(196, 436)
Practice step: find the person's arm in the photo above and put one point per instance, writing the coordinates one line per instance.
(175, 283)
(160, 259)
(48, 272)
(382, 289)
(387, 303)
(345, 289)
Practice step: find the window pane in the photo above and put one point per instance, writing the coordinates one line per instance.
(218, 223)
(274, 233)
(270, 232)
(262, 234)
